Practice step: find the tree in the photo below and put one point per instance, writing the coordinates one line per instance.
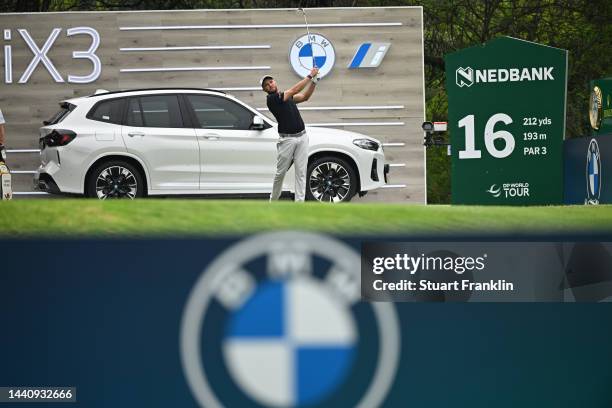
(580, 26)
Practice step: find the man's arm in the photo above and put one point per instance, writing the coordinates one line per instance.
(2, 138)
(295, 89)
(303, 97)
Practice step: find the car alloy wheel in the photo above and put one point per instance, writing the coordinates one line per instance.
(116, 182)
(329, 182)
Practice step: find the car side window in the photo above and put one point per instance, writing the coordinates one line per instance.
(110, 111)
(134, 116)
(155, 111)
(213, 112)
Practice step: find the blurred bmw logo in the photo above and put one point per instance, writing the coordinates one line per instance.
(276, 320)
(593, 173)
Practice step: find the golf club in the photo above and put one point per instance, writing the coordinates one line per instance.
(314, 65)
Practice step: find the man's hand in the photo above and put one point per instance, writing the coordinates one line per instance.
(314, 78)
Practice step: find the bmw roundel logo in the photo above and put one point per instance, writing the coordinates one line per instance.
(306, 53)
(593, 173)
(277, 321)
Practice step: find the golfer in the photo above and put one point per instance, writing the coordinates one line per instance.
(292, 146)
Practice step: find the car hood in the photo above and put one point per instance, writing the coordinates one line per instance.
(337, 134)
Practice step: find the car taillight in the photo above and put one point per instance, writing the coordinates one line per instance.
(59, 138)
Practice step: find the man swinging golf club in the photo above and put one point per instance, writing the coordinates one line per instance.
(292, 146)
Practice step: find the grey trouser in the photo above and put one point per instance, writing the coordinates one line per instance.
(291, 150)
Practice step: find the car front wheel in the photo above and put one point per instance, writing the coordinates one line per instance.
(115, 179)
(331, 180)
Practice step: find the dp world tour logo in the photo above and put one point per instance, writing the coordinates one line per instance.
(494, 190)
(276, 320)
(509, 190)
(305, 54)
(593, 173)
(464, 77)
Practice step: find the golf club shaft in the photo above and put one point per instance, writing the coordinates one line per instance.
(314, 65)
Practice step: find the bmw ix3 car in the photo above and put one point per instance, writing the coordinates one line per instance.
(162, 142)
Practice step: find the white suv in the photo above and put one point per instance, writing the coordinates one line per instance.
(178, 141)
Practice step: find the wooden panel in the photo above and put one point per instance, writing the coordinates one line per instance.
(397, 81)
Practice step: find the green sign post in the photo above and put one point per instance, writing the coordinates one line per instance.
(506, 108)
(600, 106)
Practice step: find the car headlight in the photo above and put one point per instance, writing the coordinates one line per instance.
(366, 144)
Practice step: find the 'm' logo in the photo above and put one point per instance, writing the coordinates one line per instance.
(464, 77)
(308, 52)
(276, 320)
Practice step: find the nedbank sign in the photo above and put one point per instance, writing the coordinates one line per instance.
(468, 76)
(506, 108)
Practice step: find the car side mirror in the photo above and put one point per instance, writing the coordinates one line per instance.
(258, 123)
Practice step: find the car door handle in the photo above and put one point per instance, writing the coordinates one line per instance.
(211, 137)
(132, 134)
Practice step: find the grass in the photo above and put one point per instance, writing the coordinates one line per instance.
(67, 217)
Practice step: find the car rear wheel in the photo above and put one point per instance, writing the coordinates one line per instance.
(330, 180)
(115, 179)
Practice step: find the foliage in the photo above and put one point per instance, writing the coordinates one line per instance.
(580, 26)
